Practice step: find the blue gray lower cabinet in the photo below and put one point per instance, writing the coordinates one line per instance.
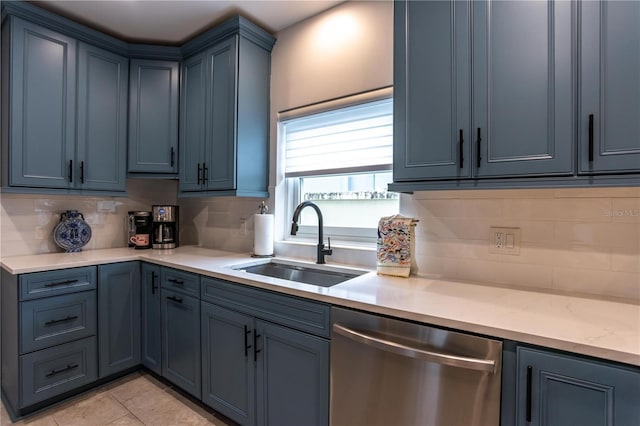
(261, 363)
(49, 344)
(228, 363)
(292, 377)
(557, 390)
(151, 318)
(119, 317)
(181, 340)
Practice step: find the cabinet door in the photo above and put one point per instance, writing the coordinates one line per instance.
(431, 90)
(181, 341)
(193, 94)
(118, 317)
(102, 120)
(572, 391)
(220, 170)
(292, 377)
(42, 105)
(151, 318)
(228, 371)
(153, 116)
(523, 114)
(609, 86)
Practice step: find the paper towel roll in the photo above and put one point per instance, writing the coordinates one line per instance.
(263, 235)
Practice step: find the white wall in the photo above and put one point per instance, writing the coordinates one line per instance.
(345, 50)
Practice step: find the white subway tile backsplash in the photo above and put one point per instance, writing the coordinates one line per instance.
(589, 235)
(625, 235)
(603, 283)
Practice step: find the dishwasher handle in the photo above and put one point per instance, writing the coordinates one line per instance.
(417, 353)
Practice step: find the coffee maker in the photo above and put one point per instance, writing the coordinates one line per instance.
(165, 227)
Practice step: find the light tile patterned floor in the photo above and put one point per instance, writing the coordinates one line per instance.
(136, 399)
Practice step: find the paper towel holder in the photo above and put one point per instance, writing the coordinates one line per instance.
(263, 210)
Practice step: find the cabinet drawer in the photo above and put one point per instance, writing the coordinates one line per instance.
(304, 315)
(56, 370)
(55, 320)
(52, 283)
(183, 282)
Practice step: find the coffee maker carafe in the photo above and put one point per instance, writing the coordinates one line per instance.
(165, 227)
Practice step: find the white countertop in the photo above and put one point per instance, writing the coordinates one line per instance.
(599, 328)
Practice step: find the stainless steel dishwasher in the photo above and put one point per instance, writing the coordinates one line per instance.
(389, 372)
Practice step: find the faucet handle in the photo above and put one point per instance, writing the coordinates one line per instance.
(328, 249)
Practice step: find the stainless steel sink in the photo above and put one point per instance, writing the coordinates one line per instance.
(321, 275)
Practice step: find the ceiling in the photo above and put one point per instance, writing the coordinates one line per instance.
(175, 21)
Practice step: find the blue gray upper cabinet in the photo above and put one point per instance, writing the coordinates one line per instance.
(102, 120)
(192, 122)
(432, 109)
(153, 116)
(66, 114)
(609, 116)
(224, 118)
(523, 114)
(39, 67)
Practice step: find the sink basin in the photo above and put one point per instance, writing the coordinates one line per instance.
(321, 275)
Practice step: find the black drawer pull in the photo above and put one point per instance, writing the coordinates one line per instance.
(154, 286)
(68, 318)
(173, 280)
(60, 283)
(82, 172)
(247, 346)
(199, 174)
(62, 370)
(460, 152)
(70, 171)
(591, 137)
(529, 384)
(173, 154)
(175, 299)
(256, 336)
(478, 153)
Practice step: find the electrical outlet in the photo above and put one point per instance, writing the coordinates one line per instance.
(504, 240)
(243, 226)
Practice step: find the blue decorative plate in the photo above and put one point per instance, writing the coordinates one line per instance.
(72, 233)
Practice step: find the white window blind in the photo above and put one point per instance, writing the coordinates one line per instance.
(352, 139)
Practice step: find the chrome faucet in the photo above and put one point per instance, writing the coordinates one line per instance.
(294, 229)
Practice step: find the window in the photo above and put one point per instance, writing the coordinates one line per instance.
(340, 158)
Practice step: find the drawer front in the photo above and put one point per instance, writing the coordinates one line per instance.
(53, 283)
(51, 372)
(55, 320)
(301, 314)
(183, 282)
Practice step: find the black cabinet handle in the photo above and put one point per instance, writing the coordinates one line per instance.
(154, 286)
(70, 171)
(247, 346)
(60, 283)
(173, 153)
(62, 370)
(460, 153)
(255, 346)
(198, 173)
(590, 137)
(478, 154)
(205, 173)
(528, 408)
(82, 172)
(175, 299)
(68, 318)
(175, 281)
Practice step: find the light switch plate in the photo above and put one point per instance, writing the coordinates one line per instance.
(504, 240)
